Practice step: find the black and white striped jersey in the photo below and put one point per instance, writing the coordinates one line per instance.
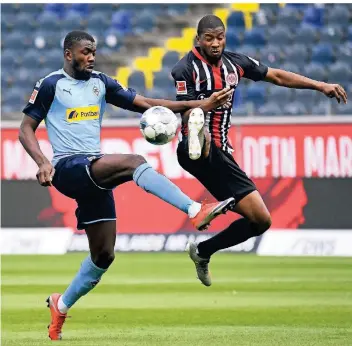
(196, 79)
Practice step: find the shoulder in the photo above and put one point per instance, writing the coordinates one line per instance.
(183, 66)
(107, 80)
(50, 80)
(235, 57)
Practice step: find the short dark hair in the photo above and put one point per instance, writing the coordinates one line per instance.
(209, 22)
(76, 36)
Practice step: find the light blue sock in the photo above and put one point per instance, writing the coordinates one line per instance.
(86, 279)
(153, 182)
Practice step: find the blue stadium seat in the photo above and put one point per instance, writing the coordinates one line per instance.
(177, 9)
(163, 79)
(33, 58)
(340, 72)
(98, 22)
(25, 22)
(295, 108)
(256, 94)
(323, 54)
(315, 71)
(306, 34)
(349, 33)
(136, 80)
(291, 67)
(8, 60)
(241, 110)
(33, 9)
(170, 59)
(345, 52)
(82, 9)
(280, 95)
(254, 37)
(54, 59)
(270, 108)
(233, 38)
(58, 9)
(249, 50)
(331, 35)
(50, 21)
(322, 108)
(16, 41)
(8, 9)
(342, 109)
(271, 55)
(289, 17)
(297, 54)
(106, 8)
(314, 15)
(144, 23)
(338, 15)
(274, 7)
(308, 97)
(73, 21)
(121, 21)
(236, 21)
(298, 7)
(280, 35)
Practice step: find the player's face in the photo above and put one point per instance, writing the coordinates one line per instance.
(212, 43)
(82, 58)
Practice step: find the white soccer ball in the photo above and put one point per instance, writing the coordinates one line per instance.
(158, 125)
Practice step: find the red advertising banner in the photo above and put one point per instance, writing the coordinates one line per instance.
(276, 157)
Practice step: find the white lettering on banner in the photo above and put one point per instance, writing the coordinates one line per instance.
(323, 159)
(263, 153)
(306, 243)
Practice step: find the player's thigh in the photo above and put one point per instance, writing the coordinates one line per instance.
(114, 169)
(101, 236)
(253, 208)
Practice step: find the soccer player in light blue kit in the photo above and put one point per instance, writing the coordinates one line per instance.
(72, 101)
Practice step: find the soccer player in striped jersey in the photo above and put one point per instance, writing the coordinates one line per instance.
(205, 151)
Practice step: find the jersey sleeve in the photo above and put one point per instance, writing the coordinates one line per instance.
(117, 94)
(184, 82)
(252, 68)
(40, 101)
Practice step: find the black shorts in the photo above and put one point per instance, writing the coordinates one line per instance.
(219, 172)
(73, 179)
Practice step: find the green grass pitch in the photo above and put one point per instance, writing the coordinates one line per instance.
(155, 299)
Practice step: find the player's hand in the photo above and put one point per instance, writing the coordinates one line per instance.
(335, 91)
(45, 174)
(218, 99)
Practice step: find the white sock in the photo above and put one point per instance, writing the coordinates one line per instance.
(194, 209)
(61, 306)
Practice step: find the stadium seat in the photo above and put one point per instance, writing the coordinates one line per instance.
(33, 58)
(323, 54)
(54, 59)
(306, 34)
(271, 55)
(58, 9)
(340, 72)
(256, 94)
(308, 97)
(16, 41)
(144, 23)
(113, 38)
(233, 38)
(8, 9)
(315, 71)
(177, 9)
(345, 53)
(314, 16)
(342, 109)
(50, 21)
(25, 21)
(338, 15)
(82, 9)
(8, 60)
(289, 17)
(170, 59)
(254, 37)
(163, 79)
(349, 33)
(136, 80)
(322, 108)
(241, 110)
(291, 67)
(33, 9)
(107, 8)
(236, 22)
(121, 21)
(331, 35)
(299, 7)
(295, 108)
(251, 51)
(73, 21)
(280, 95)
(270, 109)
(98, 22)
(280, 35)
(297, 54)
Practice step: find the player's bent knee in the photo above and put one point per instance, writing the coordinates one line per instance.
(262, 225)
(103, 258)
(138, 160)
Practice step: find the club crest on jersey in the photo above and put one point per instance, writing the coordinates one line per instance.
(232, 79)
(96, 90)
(181, 87)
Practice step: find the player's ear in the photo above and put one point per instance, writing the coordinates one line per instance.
(68, 55)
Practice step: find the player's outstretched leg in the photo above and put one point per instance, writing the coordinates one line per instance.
(195, 133)
(101, 237)
(255, 222)
(112, 170)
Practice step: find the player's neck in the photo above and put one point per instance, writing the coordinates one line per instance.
(74, 74)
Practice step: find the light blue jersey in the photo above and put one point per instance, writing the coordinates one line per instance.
(73, 110)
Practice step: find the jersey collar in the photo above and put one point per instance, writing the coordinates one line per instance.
(199, 56)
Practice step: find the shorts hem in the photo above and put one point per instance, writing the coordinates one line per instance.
(90, 177)
(79, 227)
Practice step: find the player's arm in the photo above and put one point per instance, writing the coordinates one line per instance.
(35, 111)
(217, 99)
(294, 80)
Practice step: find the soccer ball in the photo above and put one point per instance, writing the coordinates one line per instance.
(158, 125)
